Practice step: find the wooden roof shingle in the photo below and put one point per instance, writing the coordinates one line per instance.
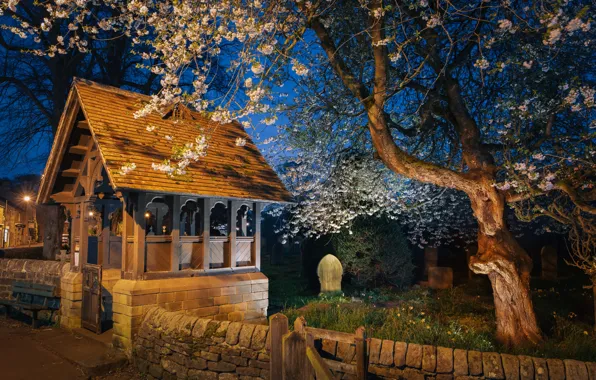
(227, 170)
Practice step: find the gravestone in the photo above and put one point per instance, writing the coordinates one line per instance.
(549, 262)
(440, 277)
(330, 272)
(431, 258)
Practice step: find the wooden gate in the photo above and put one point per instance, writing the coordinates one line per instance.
(91, 313)
(294, 356)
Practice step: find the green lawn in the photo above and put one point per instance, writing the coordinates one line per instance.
(461, 318)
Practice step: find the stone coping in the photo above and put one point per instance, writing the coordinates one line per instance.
(140, 287)
(45, 267)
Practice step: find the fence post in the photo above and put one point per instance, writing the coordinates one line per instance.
(278, 327)
(361, 354)
(294, 357)
(300, 327)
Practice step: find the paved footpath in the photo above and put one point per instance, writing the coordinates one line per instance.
(53, 353)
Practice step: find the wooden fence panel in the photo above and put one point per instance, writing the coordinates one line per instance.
(278, 327)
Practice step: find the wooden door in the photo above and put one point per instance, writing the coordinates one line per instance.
(91, 316)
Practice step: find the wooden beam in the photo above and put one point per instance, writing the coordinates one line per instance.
(83, 236)
(71, 173)
(78, 149)
(255, 252)
(205, 234)
(230, 254)
(175, 245)
(138, 260)
(83, 124)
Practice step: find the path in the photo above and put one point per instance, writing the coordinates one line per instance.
(53, 353)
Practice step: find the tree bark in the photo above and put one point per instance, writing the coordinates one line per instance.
(594, 294)
(508, 267)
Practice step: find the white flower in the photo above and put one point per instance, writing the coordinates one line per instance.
(528, 64)
(481, 63)
(433, 21)
(299, 68)
(538, 156)
(151, 128)
(240, 141)
(505, 24)
(553, 36)
(248, 82)
(169, 138)
(257, 68)
(127, 168)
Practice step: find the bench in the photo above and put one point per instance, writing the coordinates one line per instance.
(32, 297)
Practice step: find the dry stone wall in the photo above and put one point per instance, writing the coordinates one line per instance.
(36, 271)
(173, 345)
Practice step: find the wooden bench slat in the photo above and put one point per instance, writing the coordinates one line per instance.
(36, 292)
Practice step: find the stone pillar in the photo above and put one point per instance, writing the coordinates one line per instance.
(431, 258)
(71, 293)
(549, 262)
(230, 254)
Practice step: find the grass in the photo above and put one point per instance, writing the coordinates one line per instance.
(462, 317)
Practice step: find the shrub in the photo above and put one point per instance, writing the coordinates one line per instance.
(375, 252)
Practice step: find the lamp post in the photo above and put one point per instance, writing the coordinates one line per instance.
(27, 200)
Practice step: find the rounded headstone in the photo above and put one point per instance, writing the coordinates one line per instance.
(330, 272)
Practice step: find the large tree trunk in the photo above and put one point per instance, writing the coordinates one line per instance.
(508, 268)
(594, 294)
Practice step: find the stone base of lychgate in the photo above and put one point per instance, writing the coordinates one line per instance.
(232, 297)
(71, 291)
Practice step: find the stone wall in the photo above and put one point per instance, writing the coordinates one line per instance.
(172, 345)
(397, 360)
(36, 271)
(232, 297)
(175, 345)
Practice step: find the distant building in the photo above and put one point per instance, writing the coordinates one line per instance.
(18, 224)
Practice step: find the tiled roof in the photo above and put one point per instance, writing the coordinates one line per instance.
(227, 171)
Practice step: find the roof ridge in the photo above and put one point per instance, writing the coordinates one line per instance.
(109, 88)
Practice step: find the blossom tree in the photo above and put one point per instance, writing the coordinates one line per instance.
(432, 90)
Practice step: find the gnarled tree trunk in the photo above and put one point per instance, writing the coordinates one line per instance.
(508, 268)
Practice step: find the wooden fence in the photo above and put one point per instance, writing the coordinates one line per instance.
(294, 356)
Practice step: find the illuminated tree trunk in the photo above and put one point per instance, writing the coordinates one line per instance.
(508, 268)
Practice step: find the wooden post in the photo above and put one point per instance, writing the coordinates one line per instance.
(83, 236)
(295, 361)
(278, 327)
(300, 327)
(361, 353)
(105, 236)
(127, 231)
(175, 247)
(138, 262)
(206, 207)
(230, 254)
(255, 251)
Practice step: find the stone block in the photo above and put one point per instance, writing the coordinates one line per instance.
(174, 368)
(374, 347)
(576, 370)
(221, 367)
(510, 366)
(399, 354)
(236, 316)
(556, 369)
(414, 356)
(386, 357)
(591, 370)
(233, 334)
(492, 366)
(460, 362)
(246, 335)
(194, 374)
(444, 360)
(540, 369)
(259, 337)
(475, 363)
(526, 367)
(429, 358)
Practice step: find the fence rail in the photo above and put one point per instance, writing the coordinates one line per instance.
(294, 356)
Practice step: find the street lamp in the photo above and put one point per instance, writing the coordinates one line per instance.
(27, 199)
